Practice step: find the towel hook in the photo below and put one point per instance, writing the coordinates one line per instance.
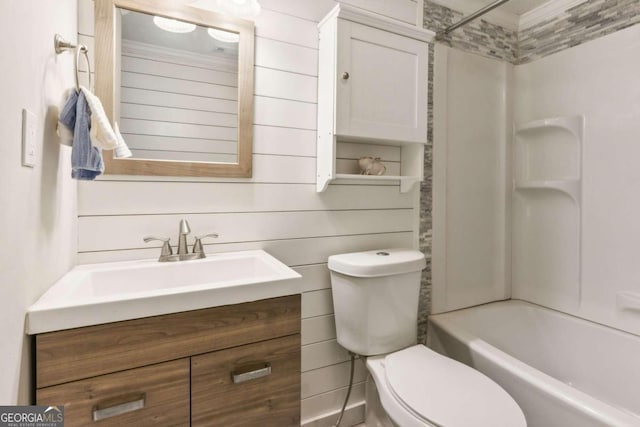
(61, 45)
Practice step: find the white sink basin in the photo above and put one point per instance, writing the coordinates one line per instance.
(103, 293)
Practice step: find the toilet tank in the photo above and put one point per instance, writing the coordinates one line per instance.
(375, 299)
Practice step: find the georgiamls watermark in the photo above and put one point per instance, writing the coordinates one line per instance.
(31, 416)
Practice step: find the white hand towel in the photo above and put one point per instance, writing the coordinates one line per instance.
(102, 134)
(121, 150)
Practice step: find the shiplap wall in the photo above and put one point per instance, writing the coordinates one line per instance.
(178, 105)
(276, 210)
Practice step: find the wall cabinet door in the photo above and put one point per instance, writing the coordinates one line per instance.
(381, 84)
(254, 385)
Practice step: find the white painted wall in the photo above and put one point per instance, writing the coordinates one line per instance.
(470, 263)
(277, 209)
(598, 79)
(37, 206)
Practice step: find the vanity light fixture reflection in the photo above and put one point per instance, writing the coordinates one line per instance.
(173, 25)
(224, 36)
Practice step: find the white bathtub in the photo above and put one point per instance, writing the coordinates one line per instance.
(563, 371)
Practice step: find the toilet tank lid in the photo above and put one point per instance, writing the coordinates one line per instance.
(377, 263)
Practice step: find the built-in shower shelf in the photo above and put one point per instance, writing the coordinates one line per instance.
(547, 209)
(573, 124)
(570, 187)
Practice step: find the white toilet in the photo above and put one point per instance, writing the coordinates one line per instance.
(375, 297)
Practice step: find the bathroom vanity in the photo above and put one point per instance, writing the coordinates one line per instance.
(206, 342)
(235, 365)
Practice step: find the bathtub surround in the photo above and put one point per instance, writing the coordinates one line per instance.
(537, 37)
(38, 205)
(478, 37)
(470, 175)
(599, 80)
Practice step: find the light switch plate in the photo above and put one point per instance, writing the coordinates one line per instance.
(28, 138)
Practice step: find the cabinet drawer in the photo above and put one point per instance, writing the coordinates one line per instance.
(75, 354)
(266, 391)
(156, 395)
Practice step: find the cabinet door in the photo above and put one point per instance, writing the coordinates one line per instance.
(156, 395)
(381, 85)
(255, 385)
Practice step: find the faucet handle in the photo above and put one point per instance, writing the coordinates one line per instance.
(166, 247)
(197, 246)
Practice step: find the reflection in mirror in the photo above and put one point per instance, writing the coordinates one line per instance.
(177, 96)
(182, 96)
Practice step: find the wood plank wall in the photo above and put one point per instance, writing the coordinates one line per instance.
(178, 105)
(277, 209)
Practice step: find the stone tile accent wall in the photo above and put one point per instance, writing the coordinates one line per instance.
(424, 306)
(478, 36)
(580, 24)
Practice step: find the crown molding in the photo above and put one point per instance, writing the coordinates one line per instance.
(375, 20)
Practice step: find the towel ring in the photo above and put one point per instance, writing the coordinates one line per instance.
(61, 45)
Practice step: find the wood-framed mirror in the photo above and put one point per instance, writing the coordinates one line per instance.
(181, 93)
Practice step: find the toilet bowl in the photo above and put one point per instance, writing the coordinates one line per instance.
(375, 296)
(418, 387)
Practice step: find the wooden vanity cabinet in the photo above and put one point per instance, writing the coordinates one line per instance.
(156, 395)
(260, 382)
(236, 365)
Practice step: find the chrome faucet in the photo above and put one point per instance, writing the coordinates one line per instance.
(183, 254)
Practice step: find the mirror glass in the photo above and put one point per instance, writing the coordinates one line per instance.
(176, 89)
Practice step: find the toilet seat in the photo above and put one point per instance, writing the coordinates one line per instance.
(419, 387)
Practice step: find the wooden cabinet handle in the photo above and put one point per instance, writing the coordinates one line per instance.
(251, 372)
(118, 406)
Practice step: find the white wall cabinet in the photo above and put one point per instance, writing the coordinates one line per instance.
(372, 89)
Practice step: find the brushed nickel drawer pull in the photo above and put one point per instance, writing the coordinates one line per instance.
(113, 407)
(251, 372)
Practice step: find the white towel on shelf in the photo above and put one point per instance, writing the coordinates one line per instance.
(102, 134)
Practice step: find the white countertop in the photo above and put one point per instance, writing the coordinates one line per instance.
(103, 293)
